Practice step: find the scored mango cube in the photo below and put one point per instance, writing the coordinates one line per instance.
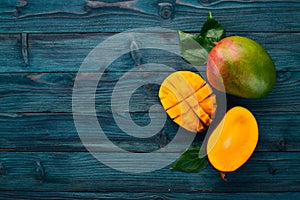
(188, 100)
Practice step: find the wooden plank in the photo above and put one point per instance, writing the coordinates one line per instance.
(264, 172)
(66, 52)
(42, 156)
(115, 16)
(12, 195)
(52, 92)
(57, 132)
(11, 57)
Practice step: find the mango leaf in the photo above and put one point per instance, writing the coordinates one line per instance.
(191, 50)
(211, 31)
(189, 161)
(195, 47)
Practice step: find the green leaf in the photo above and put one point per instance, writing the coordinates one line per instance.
(191, 50)
(195, 47)
(211, 31)
(189, 161)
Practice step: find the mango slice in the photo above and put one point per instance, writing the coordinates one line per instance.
(188, 100)
(233, 141)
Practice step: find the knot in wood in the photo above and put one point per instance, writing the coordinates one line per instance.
(204, 2)
(87, 8)
(39, 171)
(135, 53)
(282, 144)
(166, 10)
(271, 170)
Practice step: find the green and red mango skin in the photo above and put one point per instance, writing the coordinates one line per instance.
(242, 66)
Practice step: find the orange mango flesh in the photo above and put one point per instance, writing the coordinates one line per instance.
(188, 100)
(233, 141)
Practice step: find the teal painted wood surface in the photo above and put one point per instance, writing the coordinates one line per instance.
(52, 92)
(42, 45)
(145, 196)
(56, 132)
(55, 52)
(115, 16)
(80, 171)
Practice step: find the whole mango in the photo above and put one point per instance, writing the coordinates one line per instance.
(241, 67)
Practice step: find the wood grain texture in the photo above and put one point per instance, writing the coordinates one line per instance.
(43, 44)
(115, 16)
(11, 55)
(66, 52)
(81, 172)
(147, 196)
(57, 132)
(52, 92)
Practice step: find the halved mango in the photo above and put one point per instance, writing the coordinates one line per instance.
(188, 100)
(233, 141)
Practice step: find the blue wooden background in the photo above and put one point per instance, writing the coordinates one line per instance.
(42, 45)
